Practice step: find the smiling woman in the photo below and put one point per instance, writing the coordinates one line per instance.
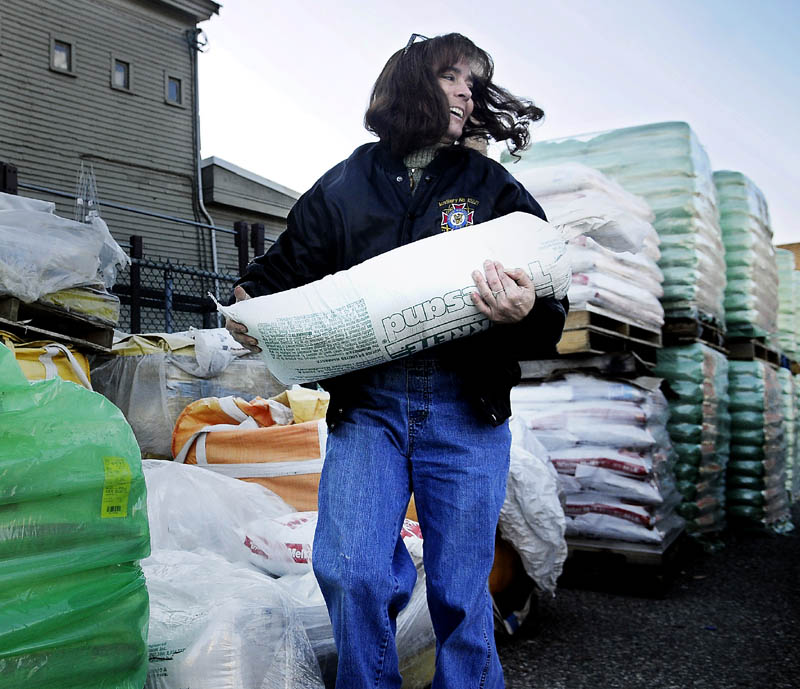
(435, 420)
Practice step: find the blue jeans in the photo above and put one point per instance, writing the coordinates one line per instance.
(412, 431)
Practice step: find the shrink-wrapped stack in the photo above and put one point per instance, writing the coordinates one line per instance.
(756, 479)
(794, 492)
(608, 442)
(73, 525)
(666, 165)
(611, 242)
(699, 426)
(153, 377)
(796, 294)
(751, 291)
(790, 422)
(787, 332)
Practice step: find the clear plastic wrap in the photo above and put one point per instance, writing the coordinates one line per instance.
(532, 518)
(153, 389)
(666, 164)
(215, 624)
(758, 446)
(618, 461)
(787, 332)
(44, 253)
(699, 427)
(74, 523)
(751, 292)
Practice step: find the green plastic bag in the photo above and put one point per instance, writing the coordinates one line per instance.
(73, 524)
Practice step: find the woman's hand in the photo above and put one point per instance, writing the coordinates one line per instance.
(505, 296)
(239, 331)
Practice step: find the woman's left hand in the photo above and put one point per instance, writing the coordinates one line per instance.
(504, 296)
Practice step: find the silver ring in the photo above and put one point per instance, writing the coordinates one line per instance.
(500, 291)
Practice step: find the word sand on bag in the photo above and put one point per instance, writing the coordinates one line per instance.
(401, 302)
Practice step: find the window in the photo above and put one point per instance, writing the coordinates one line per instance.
(173, 89)
(62, 55)
(121, 74)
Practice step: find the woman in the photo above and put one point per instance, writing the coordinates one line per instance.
(434, 423)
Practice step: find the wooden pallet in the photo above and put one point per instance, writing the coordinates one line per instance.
(593, 330)
(752, 349)
(683, 331)
(43, 322)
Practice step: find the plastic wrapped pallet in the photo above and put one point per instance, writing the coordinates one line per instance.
(699, 427)
(156, 376)
(608, 442)
(756, 479)
(44, 253)
(74, 523)
(94, 301)
(790, 422)
(751, 289)
(665, 164)
(611, 242)
(794, 493)
(787, 333)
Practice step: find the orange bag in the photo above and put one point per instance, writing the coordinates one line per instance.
(242, 439)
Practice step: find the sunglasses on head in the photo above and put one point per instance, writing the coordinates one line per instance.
(414, 38)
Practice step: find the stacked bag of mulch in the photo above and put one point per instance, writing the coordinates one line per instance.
(666, 165)
(791, 420)
(611, 242)
(787, 330)
(751, 291)
(756, 478)
(699, 426)
(608, 442)
(73, 519)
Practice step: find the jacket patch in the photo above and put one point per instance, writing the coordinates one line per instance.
(457, 213)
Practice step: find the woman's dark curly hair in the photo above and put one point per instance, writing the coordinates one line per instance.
(408, 108)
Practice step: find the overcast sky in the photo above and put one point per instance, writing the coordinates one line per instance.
(284, 85)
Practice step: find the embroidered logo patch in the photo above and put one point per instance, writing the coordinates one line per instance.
(456, 216)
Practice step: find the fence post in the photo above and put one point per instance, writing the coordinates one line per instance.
(168, 287)
(8, 178)
(257, 238)
(240, 239)
(137, 252)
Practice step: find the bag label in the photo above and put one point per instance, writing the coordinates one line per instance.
(116, 488)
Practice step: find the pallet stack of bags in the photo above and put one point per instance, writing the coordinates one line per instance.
(611, 242)
(666, 165)
(756, 478)
(73, 516)
(608, 442)
(791, 421)
(787, 318)
(751, 289)
(699, 426)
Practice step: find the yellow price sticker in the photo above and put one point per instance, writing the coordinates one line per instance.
(116, 488)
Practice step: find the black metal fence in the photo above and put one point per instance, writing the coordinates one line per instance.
(156, 293)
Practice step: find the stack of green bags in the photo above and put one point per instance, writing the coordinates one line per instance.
(666, 165)
(73, 524)
(790, 422)
(756, 480)
(787, 332)
(751, 292)
(794, 488)
(699, 427)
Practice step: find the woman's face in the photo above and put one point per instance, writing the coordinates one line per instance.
(456, 82)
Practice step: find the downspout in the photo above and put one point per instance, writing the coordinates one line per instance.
(195, 46)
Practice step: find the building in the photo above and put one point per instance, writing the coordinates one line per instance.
(112, 84)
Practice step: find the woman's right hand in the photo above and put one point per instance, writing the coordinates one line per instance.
(237, 330)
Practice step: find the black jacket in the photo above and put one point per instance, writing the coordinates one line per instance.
(364, 207)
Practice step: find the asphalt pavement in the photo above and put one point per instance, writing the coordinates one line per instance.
(720, 618)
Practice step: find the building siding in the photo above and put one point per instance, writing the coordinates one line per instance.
(141, 148)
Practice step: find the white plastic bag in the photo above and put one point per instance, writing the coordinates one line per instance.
(282, 545)
(398, 303)
(218, 625)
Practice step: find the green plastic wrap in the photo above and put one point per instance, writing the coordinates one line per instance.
(699, 427)
(751, 291)
(73, 524)
(666, 164)
(787, 332)
(758, 444)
